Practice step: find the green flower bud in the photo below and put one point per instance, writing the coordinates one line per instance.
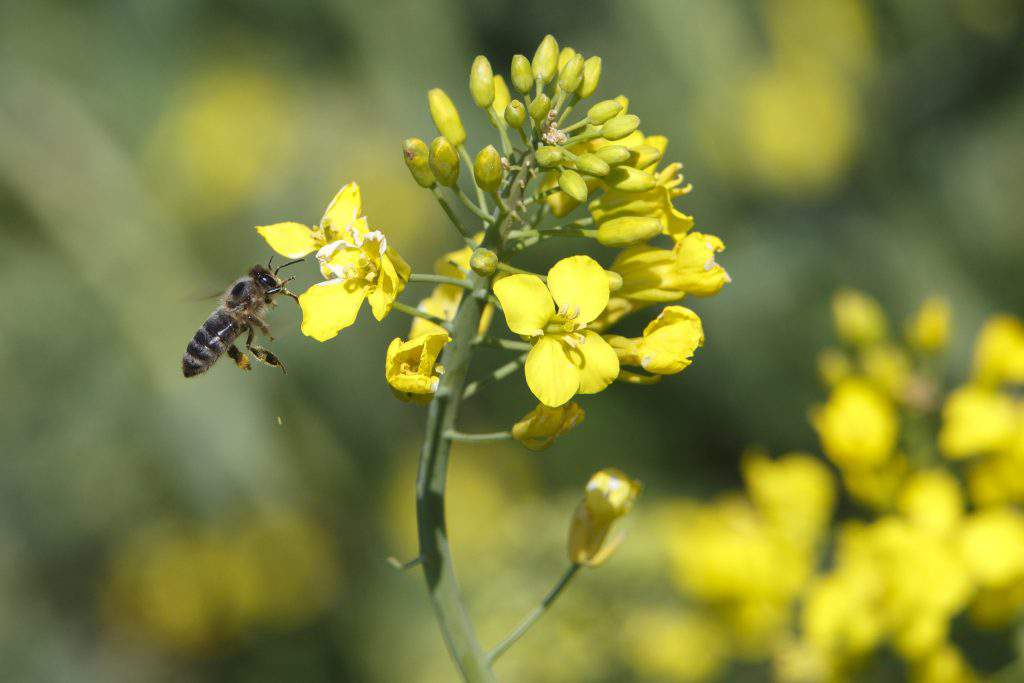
(603, 111)
(484, 262)
(515, 114)
(591, 75)
(522, 74)
(446, 116)
(501, 95)
(540, 107)
(643, 156)
(487, 169)
(629, 179)
(481, 82)
(614, 280)
(592, 164)
(417, 158)
(628, 230)
(564, 56)
(620, 126)
(444, 161)
(571, 75)
(573, 185)
(548, 156)
(545, 59)
(613, 155)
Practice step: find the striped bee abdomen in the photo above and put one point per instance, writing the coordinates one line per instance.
(210, 341)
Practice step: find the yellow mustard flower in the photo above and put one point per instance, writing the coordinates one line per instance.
(946, 664)
(833, 366)
(877, 486)
(566, 358)
(444, 299)
(610, 494)
(539, 428)
(999, 351)
(888, 366)
(674, 645)
(858, 318)
(932, 501)
(857, 426)
(998, 479)
(992, 545)
(667, 344)
(411, 366)
(653, 275)
(927, 330)
(795, 494)
(295, 240)
(975, 421)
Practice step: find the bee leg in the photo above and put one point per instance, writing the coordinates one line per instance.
(256, 322)
(241, 360)
(263, 355)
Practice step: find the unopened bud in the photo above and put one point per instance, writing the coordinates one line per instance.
(481, 82)
(446, 116)
(571, 75)
(613, 155)
(591, 76)
(573, 185)
(614, 280)
(501, 95)
(417, 159)
(545, 59)
(629, 179)
(603, 111)
(548, 156)
(487, 169)
(592, 164)
(540, 107)
(644, 155)
(483, 261)
(564, 56)
(444, 161)
(620, 126)
(627, 231)
(515, 114)
(522, 74)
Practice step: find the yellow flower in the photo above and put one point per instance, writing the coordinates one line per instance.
(795, 494)
(888, 366)
(667, 644)
(610, 494)
(932, 501)
(928, 330)
(411, 366)
(992, 544)
(539, 428)
(858, 318)
(566, 358)
(945, 664)
(976, 421)
(667, 344)
(999, 351)
(876, 486)
(295, 240)
(651, 275)
(833, 366)
(857, 426)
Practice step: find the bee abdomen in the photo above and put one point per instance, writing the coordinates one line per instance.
(210, 341)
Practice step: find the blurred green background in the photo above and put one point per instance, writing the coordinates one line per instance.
(236, 527)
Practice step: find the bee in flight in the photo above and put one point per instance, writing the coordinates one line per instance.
(241, 309)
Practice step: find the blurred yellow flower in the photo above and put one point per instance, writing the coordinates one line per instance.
(539, 428)
(932, 501)
(674, 645)
(610, 494)
(795, 493)
(857, 426)
(976, 421)
(927, 330)
(411, 366)
(859, 319)
(999, 351)
(833, 366)
(876, 486)
(992, 543)
(667, 344)
(888, 367)
(943, 665)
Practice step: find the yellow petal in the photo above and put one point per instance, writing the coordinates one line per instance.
(670, 340)
(389, 285)
(343, 209)
(293, 240)
(600, 363)
(579, 283)
(526, 302)
(329, 307)
(551, 376)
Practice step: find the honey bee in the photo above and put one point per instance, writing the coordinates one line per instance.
(241, 309)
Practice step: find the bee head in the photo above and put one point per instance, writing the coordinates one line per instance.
(263, 277)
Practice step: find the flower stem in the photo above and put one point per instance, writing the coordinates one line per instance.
(455, 435)
(473, 207)
(533, 616)
(469, 167)
(417, 313)
(440, 280)
(506, 344)
(506, 268)
(496, 375)
(451, 214)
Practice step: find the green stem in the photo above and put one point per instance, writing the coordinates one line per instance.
(464, 153)
(417, 313)
(568, 108)
(506, 268)
(533, 616)
(456, 435)
(582, 137)
(472, 206)
(466, 234)
(441, 280)
(496, 375)
(499, 122)
(507, 344)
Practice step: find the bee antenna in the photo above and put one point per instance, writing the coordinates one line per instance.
(285, 265)
(269, 262)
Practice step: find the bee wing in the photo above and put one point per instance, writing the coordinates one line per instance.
(201, 297)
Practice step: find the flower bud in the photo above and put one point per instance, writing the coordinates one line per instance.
(643, 156)
(487, 169)
(628, 230)
(417, 159)
(564, 56)
(483, 262)
(591, 75)
(522, 74)
(592, 164)
(539, 428)
(603, 111)
(571, 75)
(573, 185)
(444, 161)
(858, 318)
(928, 330)
(620, 126)
(515, 114)
(545, 59)
(481, 82)
(629, 179)
(548, 156)
(446, 116)
(501, 95)
(613, 155)
(540, 107)
(610, 494)
(614, 280)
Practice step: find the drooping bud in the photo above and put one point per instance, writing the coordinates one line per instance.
(515, 114)
(603, 111)
(628, 230)
(610, 494)
(417, 159)
(591, 76)
(501, 95)
(573, 185)
(644, 156)
(539, 428)
(540, 107)
(444, 161)
(564, 56)
(620, 126)
(487, 169)
(613, 155)
(592, 165)
(571, 75)
(629, 179)
(481, 82)
(545, 59)
(483, 262)
(446, 116)
(522, 74)
(548, 156)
